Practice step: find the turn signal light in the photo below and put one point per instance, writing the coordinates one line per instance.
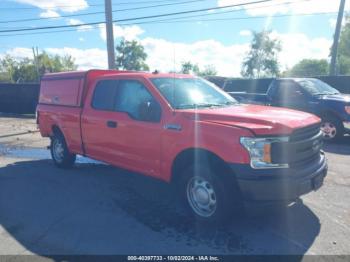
(267, 153)
(347, 109)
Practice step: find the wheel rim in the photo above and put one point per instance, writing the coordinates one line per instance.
(329, 130)
(201, 197)
(58, 150)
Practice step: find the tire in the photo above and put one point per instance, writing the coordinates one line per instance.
(209, 197)
(332, 128)
(60, 154)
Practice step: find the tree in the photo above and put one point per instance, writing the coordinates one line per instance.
(209, 70)
(50, 64)
(191, 68)
(262, 59)
(343, 56)
(7, 67)
(309, 68)
(131, 55)
(24, 70)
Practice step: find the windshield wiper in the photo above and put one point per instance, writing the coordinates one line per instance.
(198, 105)
(325, 94)
(231, 103)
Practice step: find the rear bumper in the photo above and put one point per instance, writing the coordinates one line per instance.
(280, 184)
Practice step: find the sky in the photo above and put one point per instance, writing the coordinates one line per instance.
(218, 37)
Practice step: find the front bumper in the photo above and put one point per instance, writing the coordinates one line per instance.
(280, 184)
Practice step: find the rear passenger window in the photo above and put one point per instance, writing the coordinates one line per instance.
(104, 95)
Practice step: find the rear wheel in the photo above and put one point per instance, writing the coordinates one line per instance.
(60, 153)
(332, 128)
(209, 196)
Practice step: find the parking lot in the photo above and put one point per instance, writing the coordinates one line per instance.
(99, 209)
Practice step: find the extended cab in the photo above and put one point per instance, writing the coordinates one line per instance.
(185, 131)
(309, 95)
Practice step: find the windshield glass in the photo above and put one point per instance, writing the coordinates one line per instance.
(317, 87)
(183, 93)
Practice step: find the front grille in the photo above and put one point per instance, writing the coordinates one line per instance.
(305, 132)
(303, 146)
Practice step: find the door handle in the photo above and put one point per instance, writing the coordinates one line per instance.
(111, 124)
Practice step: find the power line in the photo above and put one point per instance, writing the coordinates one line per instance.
(175, 20)
(135, 18)
(100, 12)
(235, 18)
(215, 13)
(89, 5)
(230, 11)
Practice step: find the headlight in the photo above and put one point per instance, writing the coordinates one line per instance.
(347, 109)
(260, 151)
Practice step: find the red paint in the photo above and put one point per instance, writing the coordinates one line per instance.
(149, 148)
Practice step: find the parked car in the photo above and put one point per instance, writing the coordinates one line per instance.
(309, 95)
(183, 130)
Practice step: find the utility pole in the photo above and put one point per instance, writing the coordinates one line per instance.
(109, 33)
(36, 62)
(332, 68)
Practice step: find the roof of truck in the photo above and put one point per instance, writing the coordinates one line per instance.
(100, 73)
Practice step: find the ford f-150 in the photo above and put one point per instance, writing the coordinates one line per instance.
(183, 130)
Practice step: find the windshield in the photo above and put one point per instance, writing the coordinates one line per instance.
(317, 87)
(186, 93)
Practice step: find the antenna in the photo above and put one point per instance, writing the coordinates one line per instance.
(174, 71)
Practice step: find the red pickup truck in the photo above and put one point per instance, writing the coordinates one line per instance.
(185, 131)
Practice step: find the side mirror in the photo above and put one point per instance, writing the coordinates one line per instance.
(292, 96)
(150, 111)
(298, 94)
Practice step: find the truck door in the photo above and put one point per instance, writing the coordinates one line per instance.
(138, 132)
(288, 94)
(129, 132)
(96, 121)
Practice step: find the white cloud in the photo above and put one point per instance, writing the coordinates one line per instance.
(297, 46)
(20, 52)
(333, 22)
(226, 59)
(82, 28)
(127, 32)
(84, 58)
(245, 33)
(73, 21)
(285, 6)
(166, 55)
(81, 39)
(62, 5)
(49, 14)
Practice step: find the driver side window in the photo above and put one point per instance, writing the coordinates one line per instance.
(131, 97)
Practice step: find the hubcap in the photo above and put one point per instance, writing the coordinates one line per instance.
(329, 130)
(58, 151)
(201, 197)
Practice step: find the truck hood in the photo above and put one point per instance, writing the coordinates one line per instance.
(339, 98)
(261, 120)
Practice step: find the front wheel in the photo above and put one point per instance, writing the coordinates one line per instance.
(332, 129)
(210, 198)
(60, 153)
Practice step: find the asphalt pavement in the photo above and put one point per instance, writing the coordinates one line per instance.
(98, 209)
